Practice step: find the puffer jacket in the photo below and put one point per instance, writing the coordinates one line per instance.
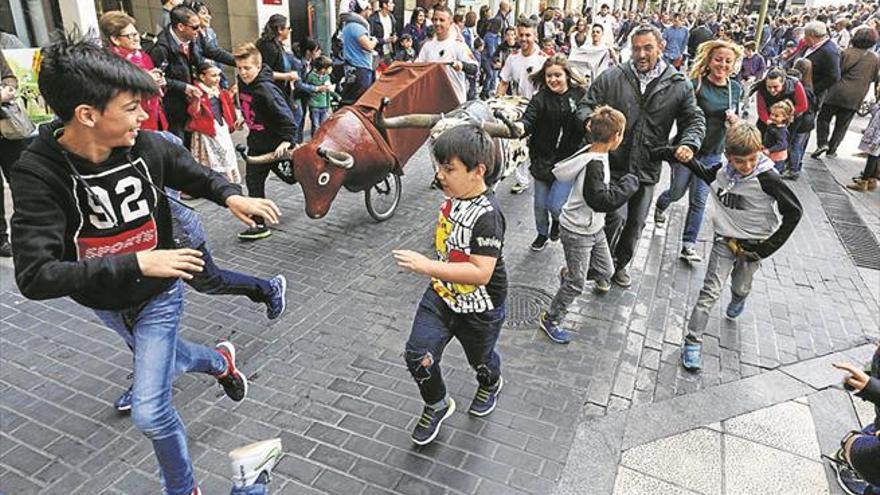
(668, 99)
(554, 132)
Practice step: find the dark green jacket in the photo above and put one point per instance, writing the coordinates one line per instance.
(668, 99)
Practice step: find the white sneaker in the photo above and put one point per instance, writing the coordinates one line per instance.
(251, 461)
(518, 188)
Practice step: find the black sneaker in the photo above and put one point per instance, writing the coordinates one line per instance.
(554, 230)
(539, 243)
(5, 249)
(659, 217)
(831, 154)
(429, 424)
(819, 151)
(485, 399)
(234, 382)
(690, 254)
(255, 233)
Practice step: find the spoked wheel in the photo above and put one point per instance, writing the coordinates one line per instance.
(382, 199)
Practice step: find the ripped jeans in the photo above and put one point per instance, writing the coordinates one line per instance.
(434, 326)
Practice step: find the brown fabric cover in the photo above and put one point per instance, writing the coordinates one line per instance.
(412, 88)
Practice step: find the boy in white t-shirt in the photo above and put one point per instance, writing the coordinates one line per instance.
(516, 71)
(447, 47)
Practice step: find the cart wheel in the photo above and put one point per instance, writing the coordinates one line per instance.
(382, 199)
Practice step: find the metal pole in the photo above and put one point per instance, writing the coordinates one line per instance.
(760, 28)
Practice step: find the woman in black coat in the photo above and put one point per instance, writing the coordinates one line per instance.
(554, 134)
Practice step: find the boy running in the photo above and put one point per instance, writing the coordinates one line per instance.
(469, 281)
(747, 192)
(92, 222)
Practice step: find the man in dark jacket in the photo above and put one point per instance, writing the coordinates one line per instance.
(179, 52)
(653, 96)
(824, 55)
(699, 35)
(383, 27)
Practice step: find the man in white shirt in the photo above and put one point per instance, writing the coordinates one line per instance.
(447, 47)
(608, 22)
(515, 73)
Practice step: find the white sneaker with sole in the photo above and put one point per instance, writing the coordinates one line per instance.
(251, 461)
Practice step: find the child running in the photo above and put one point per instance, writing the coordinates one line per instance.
(270, 122)
(92, 223)
(776, 136)
(469, 282)
(212, 120)
(583, 216)
(747, 192)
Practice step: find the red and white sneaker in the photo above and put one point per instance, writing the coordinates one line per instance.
(233, 381)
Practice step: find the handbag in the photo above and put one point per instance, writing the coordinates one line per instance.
(15, 123)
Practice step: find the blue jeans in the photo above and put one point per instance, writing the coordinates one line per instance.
(432, 329)
(549, 199)
(299, 116)
(151, 330)
(318, 116)
(796, 151)
(684, 180)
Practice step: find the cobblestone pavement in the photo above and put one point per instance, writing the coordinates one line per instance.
(329, 379)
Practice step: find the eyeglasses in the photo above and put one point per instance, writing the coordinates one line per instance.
(130, 36)
(195, 28)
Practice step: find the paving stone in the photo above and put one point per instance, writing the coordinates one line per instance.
(696, 466)
(629, 481)
(754, 468)
(787, 426)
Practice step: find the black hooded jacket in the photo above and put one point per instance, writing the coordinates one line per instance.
(266, 112)
(72, 241)
(555, 132)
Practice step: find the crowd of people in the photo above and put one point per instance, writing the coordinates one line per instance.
(144, 123)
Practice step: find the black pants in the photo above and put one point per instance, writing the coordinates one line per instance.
(842, 116)
(871, 168)
(624, 226)
(9, 153)
(255, 179)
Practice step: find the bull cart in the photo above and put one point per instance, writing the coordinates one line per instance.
(349, 150)
(364, 147)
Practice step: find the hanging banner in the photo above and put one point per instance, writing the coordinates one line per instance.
(25, 64)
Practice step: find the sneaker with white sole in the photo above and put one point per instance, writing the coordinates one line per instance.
(622, 278)
(603, 286)
(232, 380)
(690, 254)
(123, 403)
(485, 399)
(253, 463)
(518, 188)
(428, 426)
(659, 217)
(278, 298)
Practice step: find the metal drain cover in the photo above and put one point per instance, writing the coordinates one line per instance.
(524, 306)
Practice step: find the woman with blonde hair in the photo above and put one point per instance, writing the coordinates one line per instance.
(718, 95)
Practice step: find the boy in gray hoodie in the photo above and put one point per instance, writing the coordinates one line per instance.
(583, 216)
(749, 197)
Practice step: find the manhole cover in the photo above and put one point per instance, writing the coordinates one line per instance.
(524, 306)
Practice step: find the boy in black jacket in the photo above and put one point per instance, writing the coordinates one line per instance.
(271, 125)
(92, 222)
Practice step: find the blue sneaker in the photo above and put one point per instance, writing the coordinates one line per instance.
(428, 426)
(485, 399)
(691, 356)
(552, 329)
(736, 306)
(123, 403)
(850, 482)
(277, 301)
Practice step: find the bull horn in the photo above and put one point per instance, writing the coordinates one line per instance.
(420, 120)
(339, 159)
(499, 130)
(267, 158)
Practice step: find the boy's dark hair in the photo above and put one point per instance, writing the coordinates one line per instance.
(181, 15)
(468, 143)
(478, 43)
(510, 29)
(205, 67)
(77, 72)
(406, 36)
(322, 62)
(605, 123)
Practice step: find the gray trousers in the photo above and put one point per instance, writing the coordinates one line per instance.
(582, 252)
(721, 263)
